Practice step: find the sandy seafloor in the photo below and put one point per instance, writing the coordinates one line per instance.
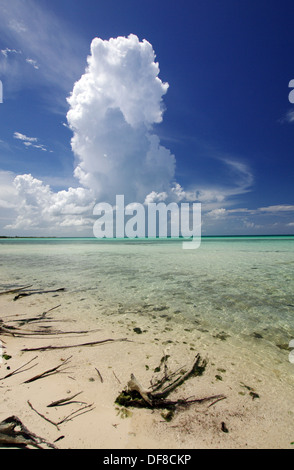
(247, 361)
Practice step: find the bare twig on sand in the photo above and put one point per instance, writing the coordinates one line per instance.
(116, 377)
(75, 414)
(48, 372)
(38, 318)
(32, 292)
(16, 289)
(65, 401)
(18, 370)
(14, 327)
(72, 415)
(16, 332)
(91, 343)
(42, 416)
(221, 397)
(7, 330)
(100, 376)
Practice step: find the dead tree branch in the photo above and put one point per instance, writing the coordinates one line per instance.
(137, 396)
(14, 433)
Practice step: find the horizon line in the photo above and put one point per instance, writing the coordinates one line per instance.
(143, 238)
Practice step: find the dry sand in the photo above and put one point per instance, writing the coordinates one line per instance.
(263, 420)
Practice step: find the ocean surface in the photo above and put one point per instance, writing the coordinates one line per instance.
(237, 287)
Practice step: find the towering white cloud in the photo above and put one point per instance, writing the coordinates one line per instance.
(112, 110)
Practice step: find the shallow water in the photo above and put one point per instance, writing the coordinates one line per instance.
(238, 287)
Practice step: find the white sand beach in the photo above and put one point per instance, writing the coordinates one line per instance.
(257, 411)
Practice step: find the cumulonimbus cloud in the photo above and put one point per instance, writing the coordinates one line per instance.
(113, 111)
(113, 108)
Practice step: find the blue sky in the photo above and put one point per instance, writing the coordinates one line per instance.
(222, 132)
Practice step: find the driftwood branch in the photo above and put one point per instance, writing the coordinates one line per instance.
(197, 368)
(134, 385)
(14, 433)
(137, 396)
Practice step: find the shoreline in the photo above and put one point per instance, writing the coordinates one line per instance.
(257, 411)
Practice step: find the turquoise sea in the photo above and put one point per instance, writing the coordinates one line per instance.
(237, 287)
